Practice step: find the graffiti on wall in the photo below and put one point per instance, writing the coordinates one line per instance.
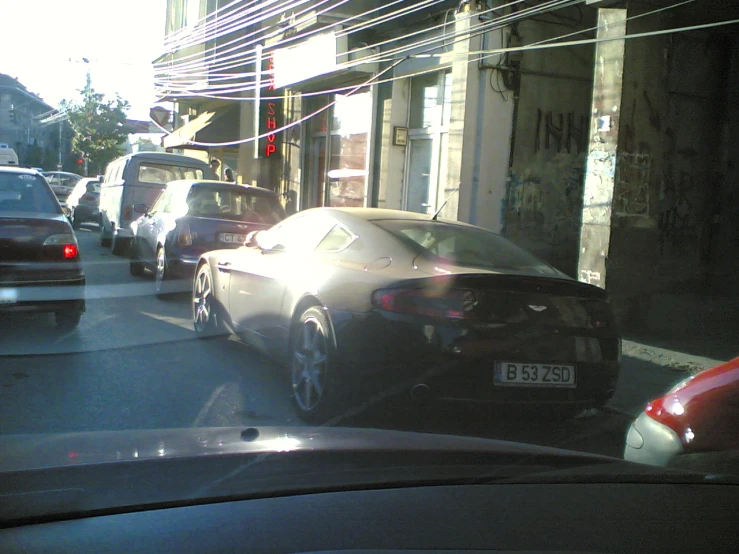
(632, 184)
(546, 201)
(562, 132)
(677, 215)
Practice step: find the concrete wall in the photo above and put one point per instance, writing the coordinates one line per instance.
(545, 183)
(671, 179)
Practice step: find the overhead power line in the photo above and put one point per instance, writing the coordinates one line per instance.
(214, 95)
(485, 54)
(384, 56)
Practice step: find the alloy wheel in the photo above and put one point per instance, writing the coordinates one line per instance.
(202, 308)
(310, 365)
(161, 270)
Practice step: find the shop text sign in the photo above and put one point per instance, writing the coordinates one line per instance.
(270, 111)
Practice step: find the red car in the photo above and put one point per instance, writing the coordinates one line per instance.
(694, 426)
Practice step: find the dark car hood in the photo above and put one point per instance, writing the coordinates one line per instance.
(24, 452)
(52, 477)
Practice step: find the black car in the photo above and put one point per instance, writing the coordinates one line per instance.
(342, 295)
(191, 217)
(84, 202)
(40, 268)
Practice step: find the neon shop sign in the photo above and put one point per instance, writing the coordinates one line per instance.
(270, 115)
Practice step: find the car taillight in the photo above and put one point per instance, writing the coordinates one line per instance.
(600, 316)
(184, 238)
(89, 198)
(456, 304)
(71, 251)
(67, 243)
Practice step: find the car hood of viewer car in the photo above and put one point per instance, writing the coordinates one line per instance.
(27, 452)
(72, 475)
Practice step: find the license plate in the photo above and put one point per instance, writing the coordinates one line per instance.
(232, 238)
(8, 296)
(517, 374)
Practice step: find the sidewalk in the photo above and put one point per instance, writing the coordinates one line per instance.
(649, 371)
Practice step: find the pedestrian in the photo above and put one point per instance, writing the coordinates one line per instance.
(291, 206)
(229, 175)
(215, 165)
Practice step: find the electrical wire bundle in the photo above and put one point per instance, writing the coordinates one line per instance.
(239, 52)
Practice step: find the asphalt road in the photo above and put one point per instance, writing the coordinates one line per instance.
(134, 363)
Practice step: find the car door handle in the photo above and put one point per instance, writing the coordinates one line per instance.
(224, 266)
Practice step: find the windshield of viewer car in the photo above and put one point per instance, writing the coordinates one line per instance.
(26, 193)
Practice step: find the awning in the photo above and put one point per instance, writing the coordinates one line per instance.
(187, 132)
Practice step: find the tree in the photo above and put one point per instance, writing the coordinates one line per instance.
(99, 127)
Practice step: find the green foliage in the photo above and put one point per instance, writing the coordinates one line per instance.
(99, 126)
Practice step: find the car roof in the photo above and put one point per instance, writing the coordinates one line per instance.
(20, 170)
(374, 214)
(164, 157)
(222, 184)
(61, 173)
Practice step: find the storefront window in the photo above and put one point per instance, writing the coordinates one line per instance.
(339, 179)
(430, 113)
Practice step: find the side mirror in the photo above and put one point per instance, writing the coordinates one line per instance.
(251, 240)
(141, 209)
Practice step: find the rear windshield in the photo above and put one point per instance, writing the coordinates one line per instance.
(464, 246)
(26, 193)
(161, 174)
(234, 203)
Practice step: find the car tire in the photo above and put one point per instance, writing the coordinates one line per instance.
(119, 246)
(104, 237)
(206, 317)
(76, 223)
(315, 387)
(136, 268)
(67, 320)
(161, 274)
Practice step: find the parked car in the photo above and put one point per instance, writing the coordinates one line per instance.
(339, 294)
(139, 179)
(62, 183)
(694, 426)
(192, 217)
(84, 202)
(40, 268)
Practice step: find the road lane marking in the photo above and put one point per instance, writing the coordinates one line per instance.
(208, 405)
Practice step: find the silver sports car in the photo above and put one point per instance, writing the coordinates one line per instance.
(348, 296)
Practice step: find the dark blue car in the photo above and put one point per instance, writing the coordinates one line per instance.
(192, 217)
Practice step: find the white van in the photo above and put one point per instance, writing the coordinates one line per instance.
(8, 156)
(139, 179)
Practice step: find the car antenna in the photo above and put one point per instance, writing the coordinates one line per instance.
(436, 215)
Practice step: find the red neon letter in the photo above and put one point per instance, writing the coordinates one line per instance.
(270, 149)
(271, 123)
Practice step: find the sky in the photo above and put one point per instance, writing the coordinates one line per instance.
(43, 43)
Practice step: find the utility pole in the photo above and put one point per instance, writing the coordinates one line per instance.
(59, 162)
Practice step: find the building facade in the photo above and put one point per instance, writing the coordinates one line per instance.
(612, 159)
(20, 110)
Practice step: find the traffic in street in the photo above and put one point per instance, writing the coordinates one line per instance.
(134, 362)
